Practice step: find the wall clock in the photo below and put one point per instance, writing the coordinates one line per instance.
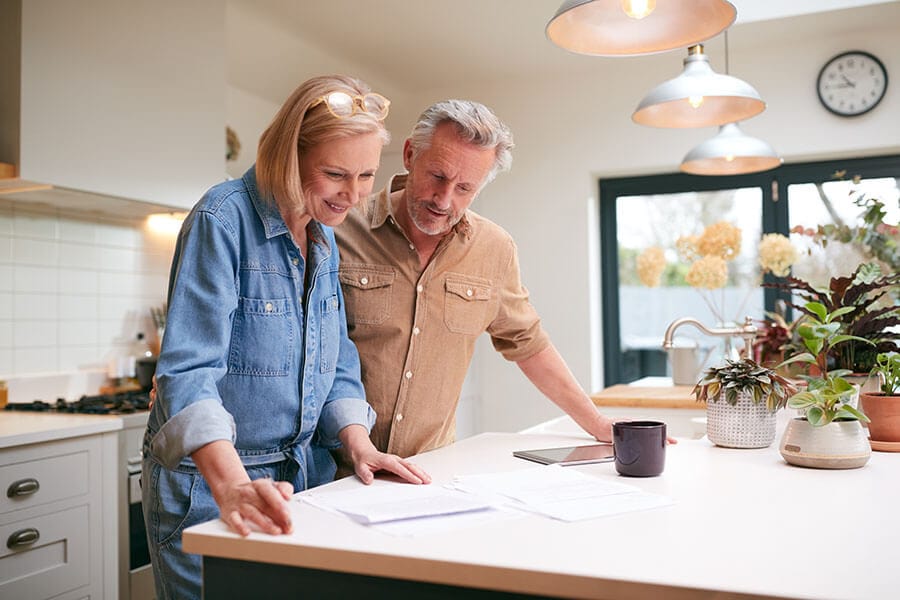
(852, 83)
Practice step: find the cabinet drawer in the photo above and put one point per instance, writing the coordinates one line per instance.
(55, 477)
(57, 562)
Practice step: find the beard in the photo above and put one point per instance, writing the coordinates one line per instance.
(429, 219)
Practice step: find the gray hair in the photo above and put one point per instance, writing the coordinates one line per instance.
(475, 123)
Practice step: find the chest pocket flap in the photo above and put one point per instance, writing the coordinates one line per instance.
(468, 290)
(366, 277)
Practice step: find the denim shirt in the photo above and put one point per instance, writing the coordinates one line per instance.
(244, 357)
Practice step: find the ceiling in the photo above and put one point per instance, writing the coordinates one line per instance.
(425, 44)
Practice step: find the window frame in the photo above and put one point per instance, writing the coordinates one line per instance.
(773, 185)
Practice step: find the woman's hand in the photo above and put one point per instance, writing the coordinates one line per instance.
(367, 460)
(262, 502)
(242, 503)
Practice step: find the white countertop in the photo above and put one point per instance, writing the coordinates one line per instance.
(744, 522)
(19, 428)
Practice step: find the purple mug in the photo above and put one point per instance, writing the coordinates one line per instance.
(640, 447)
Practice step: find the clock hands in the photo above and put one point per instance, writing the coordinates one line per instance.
(848, 82)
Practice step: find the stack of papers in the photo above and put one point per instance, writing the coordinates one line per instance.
(553, 491)
(560, 493)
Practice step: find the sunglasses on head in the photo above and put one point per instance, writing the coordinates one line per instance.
(342, 104)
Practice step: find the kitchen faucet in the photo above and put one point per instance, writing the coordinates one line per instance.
(747, 331)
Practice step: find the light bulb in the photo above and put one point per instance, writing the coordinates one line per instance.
(729, 157)
(695, 101)
(638, 9)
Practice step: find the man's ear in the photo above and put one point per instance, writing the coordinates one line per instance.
(407, 155)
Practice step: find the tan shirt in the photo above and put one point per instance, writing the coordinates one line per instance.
(416, 329)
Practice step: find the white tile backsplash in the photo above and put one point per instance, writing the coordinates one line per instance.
(74, 291)
(36, 307)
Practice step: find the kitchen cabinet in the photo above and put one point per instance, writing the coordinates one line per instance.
(58, 536)
(117, 99)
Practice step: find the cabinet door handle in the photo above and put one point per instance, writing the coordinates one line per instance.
(23, 487)
(22, 538)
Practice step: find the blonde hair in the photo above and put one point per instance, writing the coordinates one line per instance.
(297, 128)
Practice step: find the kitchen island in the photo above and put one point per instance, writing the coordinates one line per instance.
(744, 525)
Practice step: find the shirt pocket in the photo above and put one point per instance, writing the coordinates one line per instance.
(262, 338)
(367, 293)
(466, 302)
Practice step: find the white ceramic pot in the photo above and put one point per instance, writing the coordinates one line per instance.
(838, 445)
(744, 425)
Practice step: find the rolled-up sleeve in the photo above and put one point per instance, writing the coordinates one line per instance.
(193, 427)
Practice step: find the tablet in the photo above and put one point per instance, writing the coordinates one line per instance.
(570, 455)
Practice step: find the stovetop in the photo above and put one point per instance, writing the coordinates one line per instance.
(104, 404)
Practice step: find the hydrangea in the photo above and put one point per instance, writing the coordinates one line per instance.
(650, 266)
(720, 239)
(709, 273)
(777, 254)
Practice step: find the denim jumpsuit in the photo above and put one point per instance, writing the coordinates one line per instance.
(255, 352)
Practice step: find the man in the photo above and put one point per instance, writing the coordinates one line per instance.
(423, 277)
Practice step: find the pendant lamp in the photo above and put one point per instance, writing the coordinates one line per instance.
(633, 27)
(699, 97)
(730, 152)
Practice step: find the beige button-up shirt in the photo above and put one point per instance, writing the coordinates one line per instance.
(416, 329)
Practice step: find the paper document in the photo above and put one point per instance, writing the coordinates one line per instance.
(559, 492)
(386, 501)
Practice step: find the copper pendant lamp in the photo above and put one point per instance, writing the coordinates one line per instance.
(635, 27)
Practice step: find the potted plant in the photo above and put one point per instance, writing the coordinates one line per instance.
(883, 406)
(869, 321)
(829, 435)
(742, 398)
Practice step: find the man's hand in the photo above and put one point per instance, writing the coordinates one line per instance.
(367, 460)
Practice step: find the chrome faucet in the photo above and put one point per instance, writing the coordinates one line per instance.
(747, 331)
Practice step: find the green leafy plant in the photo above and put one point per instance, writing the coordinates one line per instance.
(827, 397)
(888, 366)
(745, 375)
(863, 309)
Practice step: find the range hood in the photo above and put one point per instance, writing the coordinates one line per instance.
(41, 195)
(93, 121)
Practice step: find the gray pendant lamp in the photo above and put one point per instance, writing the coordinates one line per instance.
(730, 152)
(633, 27)
(699, 97)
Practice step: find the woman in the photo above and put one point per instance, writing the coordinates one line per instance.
(257, 379)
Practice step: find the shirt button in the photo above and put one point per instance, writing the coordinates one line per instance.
(269, 307)
(419, 288)
(364, 280)
(469, 293)
(296, 261)
(412, 247)
(415, 331)
(400, 417)
(408, 374)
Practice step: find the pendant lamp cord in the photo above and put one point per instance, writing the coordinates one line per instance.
(727, 70)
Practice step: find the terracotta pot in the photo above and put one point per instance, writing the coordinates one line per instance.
(884, 413)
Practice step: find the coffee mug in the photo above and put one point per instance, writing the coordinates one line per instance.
(640, 447)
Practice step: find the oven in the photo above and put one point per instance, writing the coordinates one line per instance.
(135, 572)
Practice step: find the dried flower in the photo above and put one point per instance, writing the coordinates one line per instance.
(777, 254)
(709, 272)
(720, 239)
(686, 246)
(650, 266)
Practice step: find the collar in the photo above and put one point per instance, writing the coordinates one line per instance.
(272, 221)
(381, 208)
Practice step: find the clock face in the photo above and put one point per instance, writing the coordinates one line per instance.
(852, 83)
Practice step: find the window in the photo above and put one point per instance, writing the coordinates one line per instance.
(641, 212)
